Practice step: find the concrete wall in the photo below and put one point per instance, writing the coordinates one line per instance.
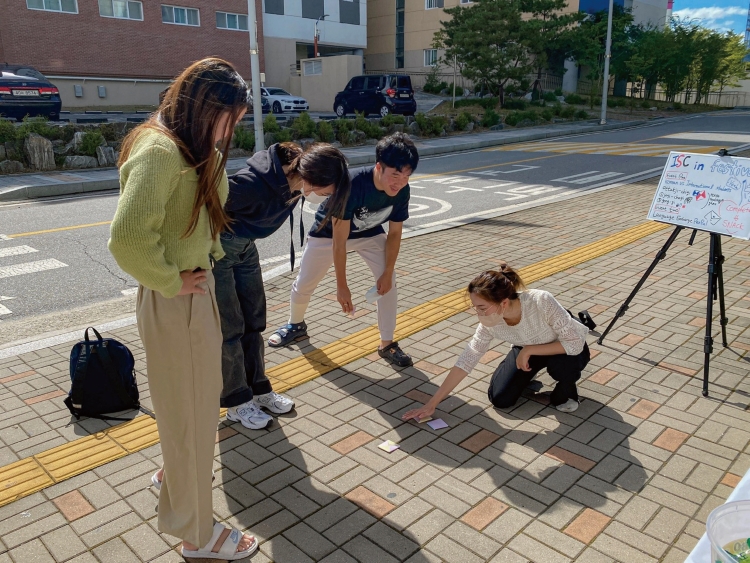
(293, 26)
(280, 53)
(118, 92)
(321, 89)
(650, 12)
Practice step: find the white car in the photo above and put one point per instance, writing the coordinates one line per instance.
(282, 101)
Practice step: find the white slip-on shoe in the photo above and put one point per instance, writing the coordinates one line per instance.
(571, 405)
(274, 402)
(250, 416)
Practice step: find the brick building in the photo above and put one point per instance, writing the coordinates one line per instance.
(122, 52)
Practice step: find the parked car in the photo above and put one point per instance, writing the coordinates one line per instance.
(377, 93)
(282, 101)
(265, 105)
(25, 91)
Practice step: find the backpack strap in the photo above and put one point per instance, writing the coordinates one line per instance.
(75, 399)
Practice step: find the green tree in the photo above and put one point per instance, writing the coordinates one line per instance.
(487, 39)
(548, 32)
(733, 67)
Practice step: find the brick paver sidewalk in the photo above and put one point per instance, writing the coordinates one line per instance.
(630, 477)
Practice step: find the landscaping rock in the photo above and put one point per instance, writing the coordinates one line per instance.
(10, 167)
(414, 128)
(78, 139)
(105, 156)
(357, 137)
(443, 133)
(62, 150)
(10, 151)
(653, 108)
(268, 139)
(398, 128)
(497, 127)
(336, 145)
(469, 127)
(38, 151)
(77, 162)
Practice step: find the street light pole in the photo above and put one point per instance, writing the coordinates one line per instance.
(316, 36)
(607, 56)
(255, 76)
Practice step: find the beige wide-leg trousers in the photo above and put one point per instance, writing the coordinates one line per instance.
(182, 340)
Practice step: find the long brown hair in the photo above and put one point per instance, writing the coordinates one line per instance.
(496, 286)
(189, 115)
(320, 165)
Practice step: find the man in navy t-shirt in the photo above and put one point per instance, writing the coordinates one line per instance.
(379, 195)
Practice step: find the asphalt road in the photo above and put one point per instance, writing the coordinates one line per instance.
(61, 260)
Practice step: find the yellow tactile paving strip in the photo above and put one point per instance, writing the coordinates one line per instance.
(27, 476)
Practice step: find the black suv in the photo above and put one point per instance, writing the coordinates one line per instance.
(377, 93)
(25, 91)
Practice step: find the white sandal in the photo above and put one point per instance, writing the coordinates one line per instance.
(228, 549)
(157, 484)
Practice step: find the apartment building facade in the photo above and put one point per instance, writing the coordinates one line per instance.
(122, 52)
(289, 31)
(400, 32)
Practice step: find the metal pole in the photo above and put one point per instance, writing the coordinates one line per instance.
(607, 56)
(454, 81)
(255, 76)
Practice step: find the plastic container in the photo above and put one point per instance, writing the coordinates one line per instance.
(728, 530)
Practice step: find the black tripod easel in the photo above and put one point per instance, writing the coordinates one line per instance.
(715, 290)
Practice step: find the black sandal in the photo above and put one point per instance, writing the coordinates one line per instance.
(287, 334)
(395, 355)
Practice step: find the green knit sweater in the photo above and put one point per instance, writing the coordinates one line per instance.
(157, 191)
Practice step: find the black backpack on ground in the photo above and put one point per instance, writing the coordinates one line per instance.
(102, 374)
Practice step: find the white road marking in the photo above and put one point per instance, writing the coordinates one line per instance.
(495, 171)
(4, 310)
(444, 207)
(16, 251)
(30, 268)
(459, 189)
(130, 291)
(700, 136)
(5, 237)
(575, 176)
(589, 179)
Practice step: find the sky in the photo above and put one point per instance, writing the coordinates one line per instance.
(722, 15)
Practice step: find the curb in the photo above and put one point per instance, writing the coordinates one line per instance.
(83, 187)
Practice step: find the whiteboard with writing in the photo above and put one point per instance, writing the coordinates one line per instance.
(705, 192)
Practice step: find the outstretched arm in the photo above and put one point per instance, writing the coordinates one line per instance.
(455, 376)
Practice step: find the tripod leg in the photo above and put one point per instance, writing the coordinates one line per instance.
(708, 341)
(624, 307)
(720, 279)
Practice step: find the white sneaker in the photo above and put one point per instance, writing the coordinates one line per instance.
(277, 404)
(250, 416)
(571, 405)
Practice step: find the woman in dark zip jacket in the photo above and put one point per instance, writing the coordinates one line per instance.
(262, 198)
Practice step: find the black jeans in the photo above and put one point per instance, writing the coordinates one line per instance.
(242, 307)
(508, 382)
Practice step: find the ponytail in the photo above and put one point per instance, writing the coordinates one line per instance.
(497, 286)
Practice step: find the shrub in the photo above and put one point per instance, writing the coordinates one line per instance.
(91, 140)
(433, 86)
(538, 103)
(557, 109)
(512, 118)
(567, 112)
(516, 117)
(459, 90)
(490, 118)
(431, 126)
(515, 104)
(582, 114)
(325, 132)
(370, 129)
(558, 92)
(303, 127)
(244, 138)
(677, 106)
(270, 125)
(645, 104)
(7, 131)
(39, 126)
(462, 120)
(574, 99)
(390, 120)
(549, 96)
(343, 127)
(283, 135)
(547, 114)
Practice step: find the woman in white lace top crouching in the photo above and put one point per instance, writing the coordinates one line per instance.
(542, 334)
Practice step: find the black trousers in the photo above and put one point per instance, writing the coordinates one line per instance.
(508, 382)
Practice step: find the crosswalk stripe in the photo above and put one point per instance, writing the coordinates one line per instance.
(615, 149)
(4, 310)
(16, 251)
(30, 268)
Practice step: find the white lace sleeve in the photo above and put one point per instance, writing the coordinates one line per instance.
(475, 349)
(570, 333)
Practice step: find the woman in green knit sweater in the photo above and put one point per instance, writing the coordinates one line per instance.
(172, 191)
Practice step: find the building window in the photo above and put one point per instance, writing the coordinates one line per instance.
(467, 1)
(432, 4)
(349, 12)
(122, 9)
(430, 57)
(225, 20)
(180, 16)
(275, 7)
(67, 6)
(312, 9)
(311, 68)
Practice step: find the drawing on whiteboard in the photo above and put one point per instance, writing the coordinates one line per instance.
(705, 192)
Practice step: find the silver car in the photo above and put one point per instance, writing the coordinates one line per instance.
(281, 100)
